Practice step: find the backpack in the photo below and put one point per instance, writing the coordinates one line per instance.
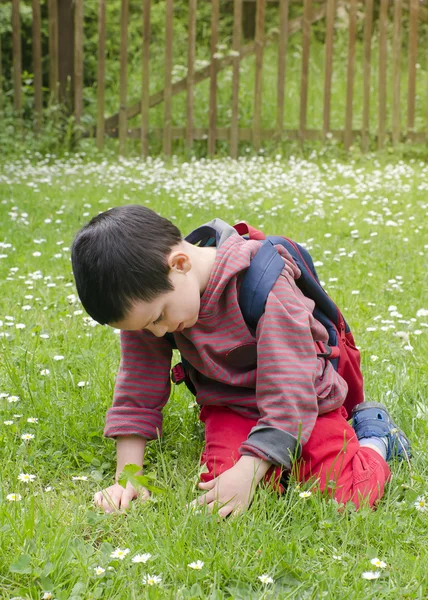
(261, 275)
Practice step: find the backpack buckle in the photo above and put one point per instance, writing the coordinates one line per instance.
(328, 352)
(177, 374)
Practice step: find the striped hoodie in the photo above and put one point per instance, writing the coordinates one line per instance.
(272, 375)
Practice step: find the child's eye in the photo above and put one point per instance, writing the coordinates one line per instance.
(158, 320)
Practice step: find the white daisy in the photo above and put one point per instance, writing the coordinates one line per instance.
(196, 565)
(99, 570)
(378, 563)
(265, 578)
(421, 504)
(370, 575)
(142, 558)
(152, 579)
(14, 497)
(26, 477)
(305, 494)
(120, 554)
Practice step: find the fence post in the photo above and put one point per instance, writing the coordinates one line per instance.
(169, 32)
(236, 49)
(191, 48)
(101, 72)
(368, 22)
(17, 57)
(215, 4)
(53, 49)
(282, 54)
(123, 119)
(413, 53)
(329, 40)
(350, 73)
(383, 29)
(78, 60)
(37, 64)
(145, 81)
(306, 30)
(260, 37)
(396, 72)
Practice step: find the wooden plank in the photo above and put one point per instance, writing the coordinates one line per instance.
(236, 49)
(53, 49)
(306, 32)
(396, 72)
(328, 73)
(413, 54)
(215, 15)
(1, 79)
(191, 52)
(368, 30)
(169, 32)
(37, 64)
(350, 72)
(258, 83)
(123, 121)
(78, 60)
(101, 72)
(145, 80)
(383, 32)
(245, 134)
(223, 63)
(17, 57)
(282, 55)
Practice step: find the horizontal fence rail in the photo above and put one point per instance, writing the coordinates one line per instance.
(391, 29)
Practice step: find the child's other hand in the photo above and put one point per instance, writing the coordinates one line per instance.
(116, 497)
(233, 490)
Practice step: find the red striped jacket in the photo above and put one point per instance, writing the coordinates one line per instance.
(285, 389)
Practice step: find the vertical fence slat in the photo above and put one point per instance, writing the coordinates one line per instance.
(260, 35)
(191, 52)
(282, 53)
(368, 29)
(413, 53)
(331, 8)
(17, 56)
(1, 79)
(306, 31)
(123, 120)
(37, 64)
(78, 59)
(145, 80)
(101, 71)
(383, 32)
(169, 29)
(236, 48)
(215, 15)
(350, 73)
(396, 72)
(53, 49)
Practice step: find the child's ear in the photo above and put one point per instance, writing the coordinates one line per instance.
(179, 261)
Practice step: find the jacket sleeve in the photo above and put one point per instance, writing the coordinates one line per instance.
(287, 365)
(142, 386)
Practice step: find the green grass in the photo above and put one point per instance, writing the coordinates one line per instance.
(365, 220)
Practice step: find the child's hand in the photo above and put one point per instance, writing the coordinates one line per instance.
(116, 497)
(233, 490)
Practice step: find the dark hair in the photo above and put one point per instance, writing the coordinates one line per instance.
(119, 257)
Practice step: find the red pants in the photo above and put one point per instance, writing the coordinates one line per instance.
(332, 456)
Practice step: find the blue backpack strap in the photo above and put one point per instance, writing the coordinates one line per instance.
(264, 270)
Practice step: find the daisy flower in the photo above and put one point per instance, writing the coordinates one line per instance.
(336, 557)
(421, 504)
(370, 575)
(8, 422)
(26, 478)
(14, 497)
(265, 578)
(44, 372)
(142, 558)
(27, 436)
(13, 399)
(58, 357)
(118, 553)
(47, 596)
(305, 494)
(32, 420)
(196, 565)
(99, 570)
(378, 563)
(79, 478)
(152, 579)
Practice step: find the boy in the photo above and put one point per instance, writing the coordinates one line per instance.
(266, 396)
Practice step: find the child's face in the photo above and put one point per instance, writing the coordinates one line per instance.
(169, 312)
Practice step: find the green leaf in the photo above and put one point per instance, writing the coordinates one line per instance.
(22, 565)
(129, 474)
(87, 456)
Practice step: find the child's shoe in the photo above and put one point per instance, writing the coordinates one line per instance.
(372, 420)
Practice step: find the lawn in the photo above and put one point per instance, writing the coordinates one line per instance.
(365, 223)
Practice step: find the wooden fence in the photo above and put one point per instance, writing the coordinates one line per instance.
(390, 14)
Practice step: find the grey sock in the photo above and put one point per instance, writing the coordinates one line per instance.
(379, 442)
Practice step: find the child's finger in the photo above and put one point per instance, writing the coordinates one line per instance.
(207, 485)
